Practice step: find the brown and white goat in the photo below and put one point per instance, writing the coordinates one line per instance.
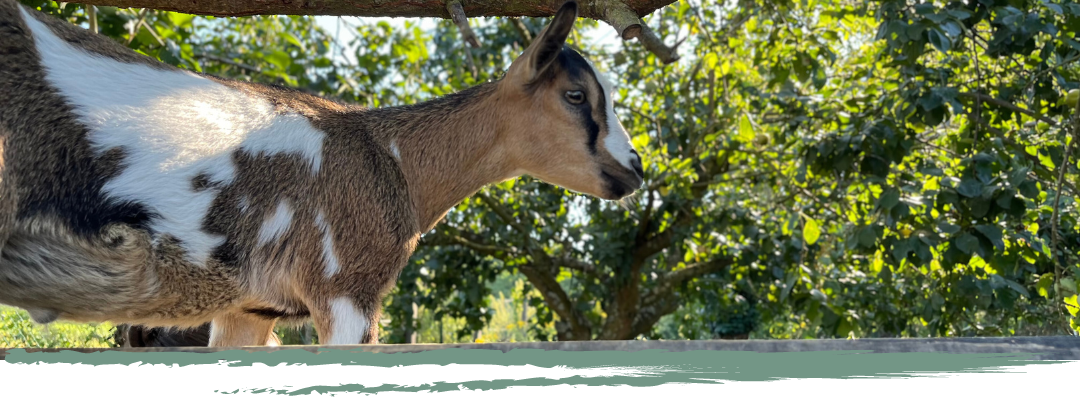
(135, 192)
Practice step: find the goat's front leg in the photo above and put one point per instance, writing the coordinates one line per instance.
(242, 329)
(346, 320)
(346, 301)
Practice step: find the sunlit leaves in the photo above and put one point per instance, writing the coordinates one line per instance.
(811, 231)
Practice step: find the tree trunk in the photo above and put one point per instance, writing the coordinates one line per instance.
(412, 336)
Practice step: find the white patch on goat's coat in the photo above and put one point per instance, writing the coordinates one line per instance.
(617, 142)
(394, 149)
(172, 126)
(275, 226)
(329, 256)
(349, 324)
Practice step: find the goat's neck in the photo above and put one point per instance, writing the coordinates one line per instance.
(448, 148)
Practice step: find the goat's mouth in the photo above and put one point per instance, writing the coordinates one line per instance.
(619, 184)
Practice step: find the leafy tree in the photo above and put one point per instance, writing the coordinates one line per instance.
(820, 169)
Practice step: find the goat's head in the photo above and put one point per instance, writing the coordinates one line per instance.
(567, 133)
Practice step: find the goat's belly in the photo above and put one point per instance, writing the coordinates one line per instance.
(121, 275)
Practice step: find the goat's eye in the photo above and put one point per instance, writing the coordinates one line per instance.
(575, 96)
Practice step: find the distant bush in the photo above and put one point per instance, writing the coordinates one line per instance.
(18, 330)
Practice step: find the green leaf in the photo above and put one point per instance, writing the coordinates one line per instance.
(811, 231)
(1029, 189)
(940, 40)
(952, 28)
(867, 236)
(970, 188)
(279, 58)
(1017, 176)
(1017, 287)
(292, 40)
(889, 198)
(937, 18)
(924, 9)
(1067, 285)
(959, 13)
(901, 249)
(933, 171)
(992, 233)
(967, 243)
(180, 20)
(979, 207)
(1005, 200)
(948, 228)
(746, 130)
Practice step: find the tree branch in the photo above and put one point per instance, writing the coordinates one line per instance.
(594, 9)
(662, 240)
(1004, 104)
(91, 14)
(229, 62)
(575, 264)
(459, 239)
(623, 19)
(1058, 269)
(458, 15)
(541, 273)
(556, 298)
(655, 45)
(503, 214)
(523, 31)
(628, 23)
(661, 299)
(667, 283)
(624, 15)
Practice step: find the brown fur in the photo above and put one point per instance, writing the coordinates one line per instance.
(109, 267)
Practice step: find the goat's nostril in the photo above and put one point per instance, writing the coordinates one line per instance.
(636, 163)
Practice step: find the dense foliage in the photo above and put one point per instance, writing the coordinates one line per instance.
(813, 169)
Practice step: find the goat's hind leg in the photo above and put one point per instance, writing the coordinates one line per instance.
(238, 328)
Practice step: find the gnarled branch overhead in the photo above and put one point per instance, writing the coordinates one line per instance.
(623, 15)
(595, 9)
(457, 13)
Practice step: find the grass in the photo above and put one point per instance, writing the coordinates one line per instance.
(18, 330)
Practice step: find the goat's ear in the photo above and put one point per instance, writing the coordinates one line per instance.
(546, 47)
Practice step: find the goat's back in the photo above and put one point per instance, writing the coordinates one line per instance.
(135, 191)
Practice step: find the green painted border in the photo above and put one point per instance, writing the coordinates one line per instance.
(648, 367)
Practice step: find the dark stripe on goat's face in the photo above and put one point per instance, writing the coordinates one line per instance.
(591, 126)
(579, 71)
(613, 186)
